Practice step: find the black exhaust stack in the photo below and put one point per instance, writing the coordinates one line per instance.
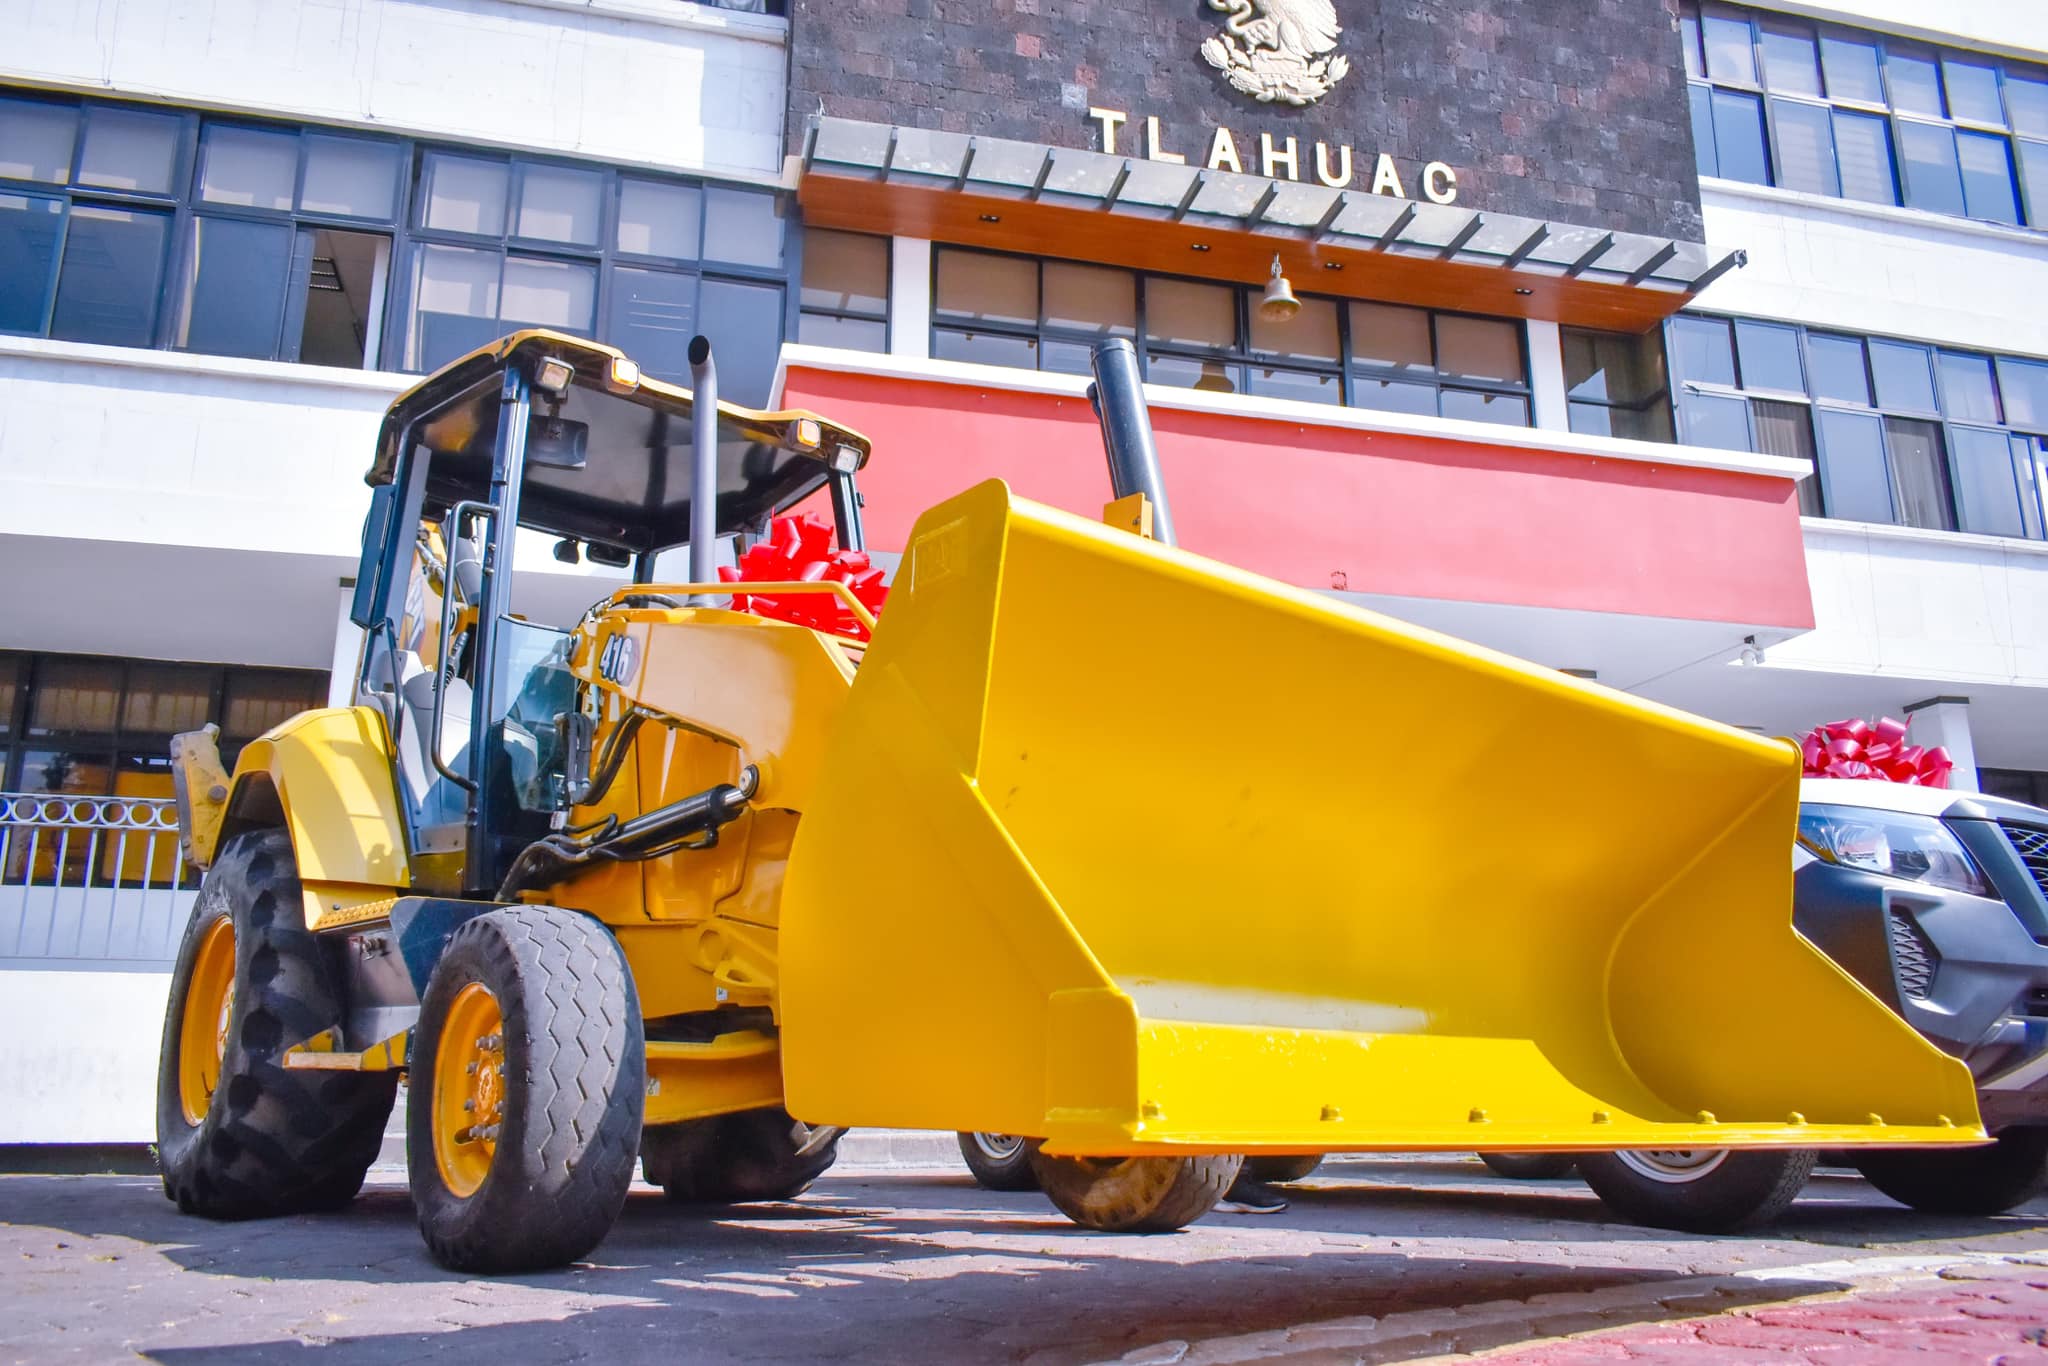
(1119, 402)
(703, 468)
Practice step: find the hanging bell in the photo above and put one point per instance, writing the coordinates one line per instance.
(1278, 304)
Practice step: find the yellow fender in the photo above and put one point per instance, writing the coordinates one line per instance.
(326, 776)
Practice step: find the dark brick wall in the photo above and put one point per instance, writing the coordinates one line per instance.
(1573, 110)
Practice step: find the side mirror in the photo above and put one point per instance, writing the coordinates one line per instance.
(365, 608)
(557, 443)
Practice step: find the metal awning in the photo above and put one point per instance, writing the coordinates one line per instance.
(904, 168)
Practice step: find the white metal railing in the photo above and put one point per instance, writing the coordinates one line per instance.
(91, 879)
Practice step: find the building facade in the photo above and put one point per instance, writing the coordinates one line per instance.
(1694, 348)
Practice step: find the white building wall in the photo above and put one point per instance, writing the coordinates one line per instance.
(659, 83)
(89, 1072)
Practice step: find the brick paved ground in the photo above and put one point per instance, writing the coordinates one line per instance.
(1381, 1261)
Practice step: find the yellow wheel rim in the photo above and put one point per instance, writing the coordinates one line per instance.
(469, 1089)
(203, 1032)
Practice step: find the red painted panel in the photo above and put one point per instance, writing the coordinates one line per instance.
(1374, 512)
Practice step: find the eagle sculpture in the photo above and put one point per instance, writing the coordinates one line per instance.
(1278, 50)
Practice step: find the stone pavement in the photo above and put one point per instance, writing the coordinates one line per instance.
(1379, 1260)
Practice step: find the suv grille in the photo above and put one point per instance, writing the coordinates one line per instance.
(2032, 847)
(1912, 956)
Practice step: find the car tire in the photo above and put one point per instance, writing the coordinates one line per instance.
(1698, 1190)
(1000, 1162)
(1530, 1166)
(1278, 1171)
(1134, 1194)
(734, 1159)
(1989, 1180)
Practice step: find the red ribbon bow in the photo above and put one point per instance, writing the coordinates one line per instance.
(1858, 749)
(800, 550)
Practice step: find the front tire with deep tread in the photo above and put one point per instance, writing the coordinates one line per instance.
(1988, 1180)
(733, 1159)
(573, 1061)
(268, 1140)
(1738, 1190)
(1134, 1194)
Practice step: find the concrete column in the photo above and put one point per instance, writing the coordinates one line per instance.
(1945, 721)
(1546, 377)
(910, 297)
(348, 650)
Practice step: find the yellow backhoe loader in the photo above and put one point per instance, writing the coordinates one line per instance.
(1088, 840)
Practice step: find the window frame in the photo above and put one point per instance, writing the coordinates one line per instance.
(884, 315)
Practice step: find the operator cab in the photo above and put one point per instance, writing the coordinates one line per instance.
(564, 438)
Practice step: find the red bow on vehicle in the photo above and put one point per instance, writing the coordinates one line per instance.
(1858, 749)
(801, 550)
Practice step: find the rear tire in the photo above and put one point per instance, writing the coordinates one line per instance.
(1278, 1171)
(1000, 1162)
(1988, 1180)
(1530, 1166)
(239, 1135)
(1134, 1194)
(530, 1032)
(1698, 1190)
(733, 1159)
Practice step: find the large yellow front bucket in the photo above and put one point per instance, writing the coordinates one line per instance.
(1137, 853)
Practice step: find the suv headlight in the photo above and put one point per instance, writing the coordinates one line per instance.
(1915, 848)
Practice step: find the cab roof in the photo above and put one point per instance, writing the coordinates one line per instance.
(633, 489)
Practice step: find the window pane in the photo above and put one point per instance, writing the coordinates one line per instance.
(1065, 358)
(2034, 170)
(1987, 495)
(1852, 467)
(846, 270)
(1393, 396)
(1787, 429)
(465, 196)
(1634, 424)
(1715, 421)
(1390, 337)
(10, 689)
(1739, 137)
(164, 699)
(1928, 154)
(986, 348)
(344, 297)
(1903, 377)
(850, 334)
(1919, 474)
(557, 294)
(1187, 372)
(125, 150)
(1189, 314)
(235, 288)
(1967, 393)
(2024, 386)
(1791, 61)
(248, 166)
(1689, 38)
(1851, 67)
(747, 320)
(1701, 99)
(1986, 162)
(112, 276)
(1305, 386)
(76, 696)
(2026, 100)
(1838, 371)
(258, 701)
(1507, 410)
(350, 176)
(987, 288)
(1091, 299)
(1479, 348)
(1915, 83)
(1703, 351)
(29, 228)
(36, 139)
(557, 204)
(659, 220)
(1972, 91)
(455, 304)
(1310, 335)
(1806, 147)
(2030, 469)
(653, 317)
(1863, 147)
(1730, 57)
(1612, 367)
(742, 226)
(1770, 357)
